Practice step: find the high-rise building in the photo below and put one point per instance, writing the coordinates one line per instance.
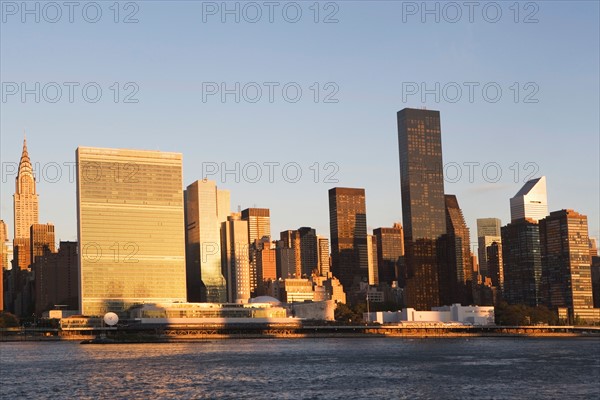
(26, 208)
(423, 210)
(130, 215)
(259, 223)
(531, 201)
(266, 263)
(3, 260)
(348, 232)
(593, 247)
(21, 253)
(323, 244)
(596, 280)
(237, 264)
(566, 262)
(495, 265)
(259, 226)
(285, 258)
(205, 282)
(41, 237)
(390, 249)
(456, 268)
(309, 251)
(56, 281)
(372, 260)
(26, 211)
(488, 232)
(522, 262)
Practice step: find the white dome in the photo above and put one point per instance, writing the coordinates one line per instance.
(265, 299)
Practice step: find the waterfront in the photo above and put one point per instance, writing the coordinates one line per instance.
(381, 368)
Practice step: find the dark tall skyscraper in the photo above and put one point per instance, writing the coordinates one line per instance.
(522, 262)
(456, 268)
(423, 207)
(348, 227)
(566, 269)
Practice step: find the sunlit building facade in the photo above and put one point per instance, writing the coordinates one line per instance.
(205, 281)
(531, 201)
(130, 228)
(236, 262)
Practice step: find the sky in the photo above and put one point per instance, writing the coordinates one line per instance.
(300, 97)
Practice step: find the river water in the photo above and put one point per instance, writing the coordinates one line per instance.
(377, 368)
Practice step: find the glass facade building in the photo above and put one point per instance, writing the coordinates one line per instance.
(130, 228)
(423, 207)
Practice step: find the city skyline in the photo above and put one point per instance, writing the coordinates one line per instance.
(357, 133)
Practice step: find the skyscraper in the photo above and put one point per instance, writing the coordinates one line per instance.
(488, 232)
(372, 260)
(205, 282)
(348, 228)
(237, 264)
(41, 238)
(566, 262)
(130, 228)
(423, 210)
(456, 268)
(323, 244)
(3, 260)
(26, 208)
(531, 201)
(259, 226)
(291, 239)
(522, 262)
(309, 251)
(390, 249)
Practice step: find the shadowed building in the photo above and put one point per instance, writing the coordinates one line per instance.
(423, 210)
(130, 215)
(566, 269)
(522, 262)
(259, 226)
(390, 249)
(348, 231)
(488, 232)
(323, 244)
(456, 267)
(56, 281)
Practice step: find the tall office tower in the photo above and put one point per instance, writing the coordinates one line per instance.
(259, 226)
(56, 279)
(456, 270)
(22, 253)
(323, 245)
(495, 265)
(348, 232)
(522, 262)
(130, 215)
(423, 210)
(25, 209)
(205, 282)
(566, 262)
(390, 249)
(372, 260)
(291, 240)
(285, 258)
(309, 251)
(488, 231)
(41, 236)
(531, 201)
(237, 264)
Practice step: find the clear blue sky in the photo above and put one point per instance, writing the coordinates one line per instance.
(369, 54)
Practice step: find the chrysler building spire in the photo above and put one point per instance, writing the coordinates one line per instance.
(25, 198)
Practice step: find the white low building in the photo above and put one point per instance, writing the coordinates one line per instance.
(467, 315)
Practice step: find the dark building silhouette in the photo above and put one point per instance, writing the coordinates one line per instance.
(566, 269)
(348, 228)
(456, 266)
(390, 250)
(423, 208)
(522, 262)
(596, 280)
(56, 278)
(494, 264)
